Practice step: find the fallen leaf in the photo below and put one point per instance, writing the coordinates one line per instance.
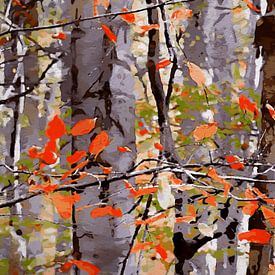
(205, 131)
(99, 143)
(56, 128)
(105, 211)
(162, 64)
(196, 73)
(83, 127)
(109, 33)
(76, 156)
(129, 17)
(259, 236)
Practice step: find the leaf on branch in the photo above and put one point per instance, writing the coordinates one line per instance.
(151, 220)
(205, 131)
(76, 156)
(269, 215)
(162, 64)
(263, 196)
(56, 128)
(161, 251)
(83, 127)
(212, 173)
(190, 217)
(109, 33)
(196, 73)
(158, 146)
(251, 6)
(47, 188)
(271, 110)
(251, 206)
(106, 211)
(147, 28)
(181, 14)
(60, 36)
(140, 192)
(141, 246)
(143, 132)
(123, 149)
(247, 105)
(99, 143)
(106, 170)
(79, 166)
(129, 17)
(63, 204)
(234, 162)
(259, 236)
(66, 267)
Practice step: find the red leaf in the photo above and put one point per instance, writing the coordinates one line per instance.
(124, 149)
(205, 131)
(79, 166)
(60, 35)
(33, 152)
(109, 33)
(158, 146)
(143, 132)
(83, 127)
(255, 236)
(78, 155)
(86, 266)
(251, 6)
(64, 204)
(106, 170)
(234, 162)
(247, 105)
(104, 211)
(129, 17)
(140, 192)
(161, 251)
(56, 128)
(66, 267)
(141, 246)
(99, 143)
(48, 155)
(162, 64)
(271, 110)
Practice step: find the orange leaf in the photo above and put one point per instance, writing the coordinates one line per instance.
(99, 143)
(76, 156)
(3, 41)
(181, 14)
(33, 152)
(211, 200)
(56, 128)
(47, 188)
(271, 110)
(86, 266)
(212, 173)
(263, 196)
(162, 64)
(158, 146)
(141, 246)
(255, 236)
(109, 33)
(60, 35)
(269, 215)
(145, 191)
(79, 166)
(251, 206)
(48, 155)
(83, 127)
(234, 162)
(151, 220)
(205, 131)
(247, 105)
(104, 211)
(106, 170)
(184, 219)
(196, 73)
(129, 17)
(161, 251)
(64, 204)
(124, 149)
(147, 28)
(82, 175)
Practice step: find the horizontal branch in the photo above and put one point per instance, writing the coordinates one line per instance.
(77, 21)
